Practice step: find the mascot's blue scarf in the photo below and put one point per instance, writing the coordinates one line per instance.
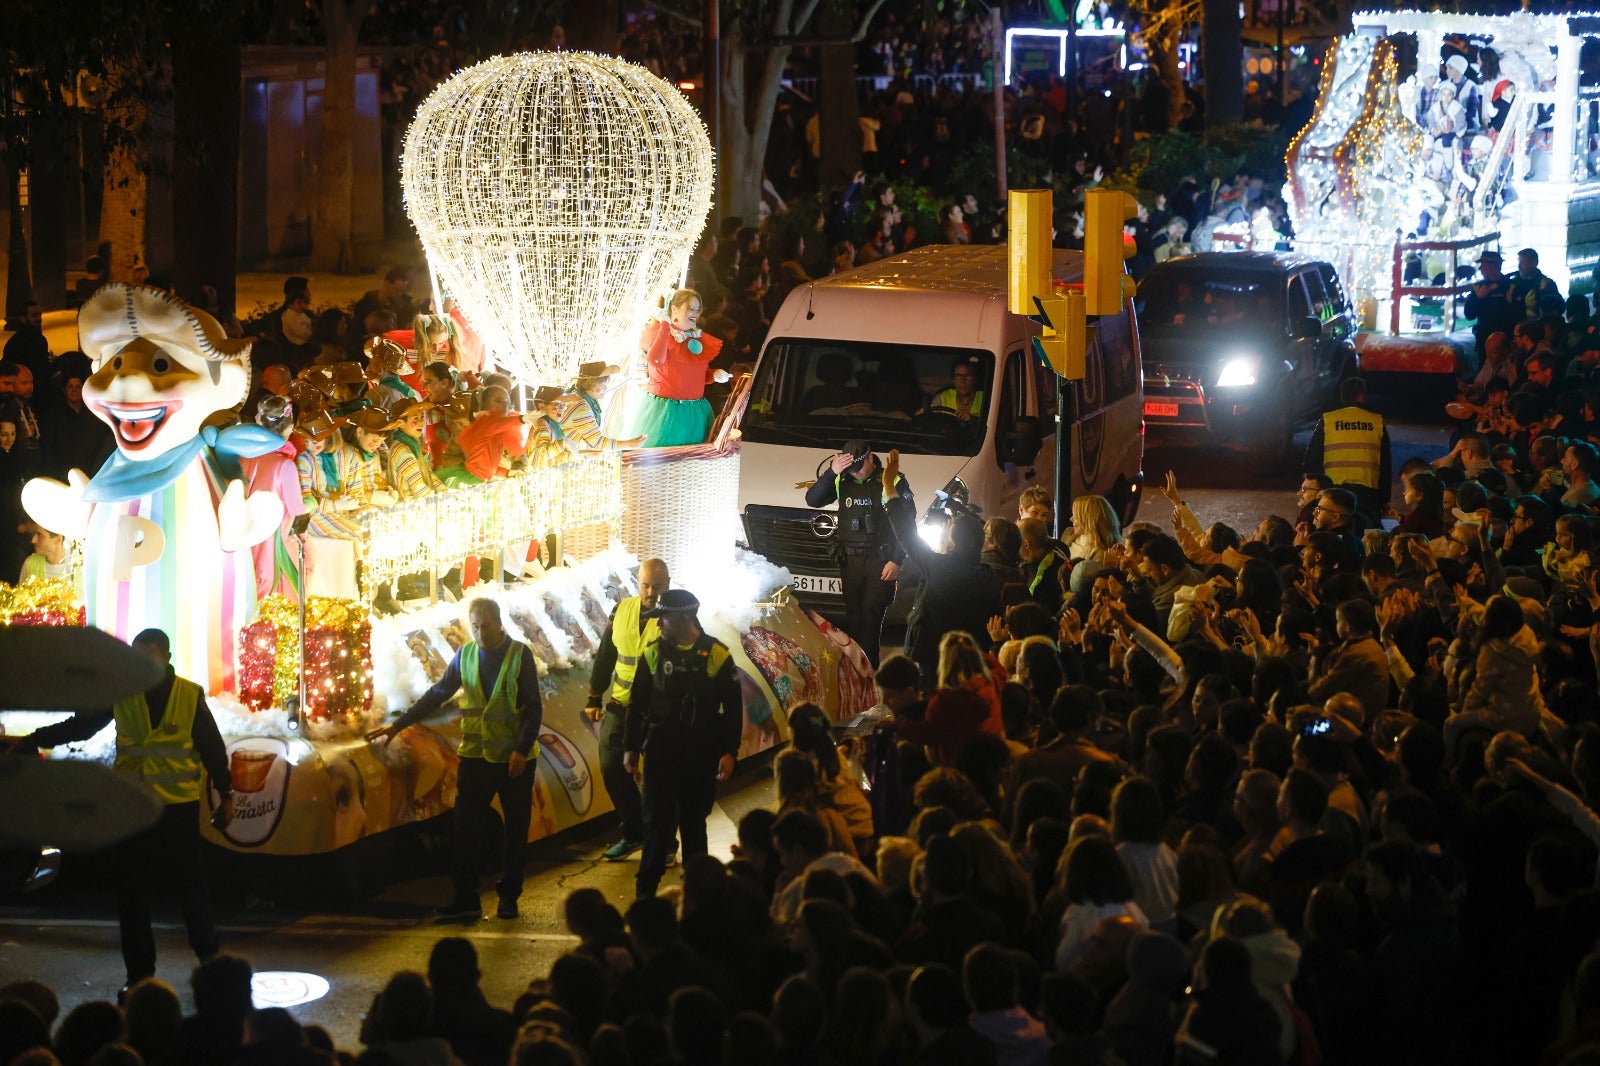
(123, 479)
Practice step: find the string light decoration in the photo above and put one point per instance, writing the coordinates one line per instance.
(50, 601)
(338, 656)
(438, 531)
(555, 194)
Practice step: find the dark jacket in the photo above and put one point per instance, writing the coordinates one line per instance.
(945, 932)
(698, 701)
(956, 593)
(861, 525)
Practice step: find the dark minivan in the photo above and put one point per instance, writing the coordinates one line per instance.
(1243, 347)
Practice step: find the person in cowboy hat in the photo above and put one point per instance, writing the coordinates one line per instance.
(410, 468)
(365, 476)
(685, 722)
(1489, 302)
(386, 362)
(322, 493)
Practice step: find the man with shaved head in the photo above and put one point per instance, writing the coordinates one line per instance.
(615, 666)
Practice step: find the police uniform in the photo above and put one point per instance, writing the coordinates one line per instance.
(167, 739)
(500, 714)
(617, 663)
(1351, 446)
(867, 542)
(687, 712)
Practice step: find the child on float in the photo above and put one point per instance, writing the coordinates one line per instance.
(489, 444)
(671, 408)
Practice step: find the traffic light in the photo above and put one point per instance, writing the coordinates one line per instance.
(1063, 341)
(1029, 251)
(1105, 280)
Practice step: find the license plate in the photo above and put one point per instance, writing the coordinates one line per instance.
(1158, 409)
(830, 586)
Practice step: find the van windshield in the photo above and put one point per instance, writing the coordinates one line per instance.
(921, 399)
(1210, 298)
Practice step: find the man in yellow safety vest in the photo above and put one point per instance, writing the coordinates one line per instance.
(500, 717)
(1351, 446)
(167, 739)
(616, 664)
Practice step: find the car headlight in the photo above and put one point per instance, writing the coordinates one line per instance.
(1237, 372)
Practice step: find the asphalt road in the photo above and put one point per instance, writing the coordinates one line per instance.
(67, 935)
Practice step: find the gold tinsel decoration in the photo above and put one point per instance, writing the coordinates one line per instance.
(51, 601)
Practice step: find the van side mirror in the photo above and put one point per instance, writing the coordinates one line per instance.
(1308, 328)
(1026, 439)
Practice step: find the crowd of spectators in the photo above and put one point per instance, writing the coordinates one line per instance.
(1324, 791)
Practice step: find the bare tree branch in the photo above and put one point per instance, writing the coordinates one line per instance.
(866, 21)
(688, 20)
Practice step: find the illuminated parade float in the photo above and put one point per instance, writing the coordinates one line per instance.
(557, 196)
(1438, 136)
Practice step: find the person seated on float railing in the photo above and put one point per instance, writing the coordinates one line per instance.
(488, 445)
(364, 458)
(452, 410)
(387, 370)
(321, 479)
(409, 467)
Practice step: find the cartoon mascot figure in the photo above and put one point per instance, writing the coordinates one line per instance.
(166, 525)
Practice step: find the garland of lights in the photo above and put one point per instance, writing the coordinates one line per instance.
(438, 531)
(556, 194)
(338, 656)
(51, 601)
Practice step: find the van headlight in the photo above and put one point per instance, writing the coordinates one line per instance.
(1237, 373)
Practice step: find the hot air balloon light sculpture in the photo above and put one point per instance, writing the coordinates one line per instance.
(556, 195)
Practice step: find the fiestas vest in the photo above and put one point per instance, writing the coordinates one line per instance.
(1352, 446)
(630, 642)
(489, 725)
(947, 401)
(163, 757)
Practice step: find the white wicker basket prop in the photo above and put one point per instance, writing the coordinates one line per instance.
(682, 505)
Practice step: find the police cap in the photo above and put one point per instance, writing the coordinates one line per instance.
(857, 449)
(673, 601)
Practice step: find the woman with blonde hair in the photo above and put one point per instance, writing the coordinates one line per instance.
(1095, 529)
(966, 703)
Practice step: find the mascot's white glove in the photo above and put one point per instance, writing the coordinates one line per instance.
(57, 507)
(246, 520)
(721, 377)
(384, 498)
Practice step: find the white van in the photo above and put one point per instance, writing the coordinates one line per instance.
(864, 354)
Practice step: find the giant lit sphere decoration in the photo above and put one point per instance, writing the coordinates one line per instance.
(556, 193)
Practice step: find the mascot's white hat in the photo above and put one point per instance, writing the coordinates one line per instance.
(117, 314)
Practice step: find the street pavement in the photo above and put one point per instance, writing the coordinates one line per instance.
(66, 936)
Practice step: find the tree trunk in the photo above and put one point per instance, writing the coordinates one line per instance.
(122, 212)
(1172, 75)
(332, 250)
(206, 101)
(19, 282)
(591, 25)
(47, 190)
(1223, 46)
(749, 96)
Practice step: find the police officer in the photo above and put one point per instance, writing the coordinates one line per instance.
(686, 719)
(616, 664)
(165, 738)
(500, 717)
(872, 556)
(1351, 446)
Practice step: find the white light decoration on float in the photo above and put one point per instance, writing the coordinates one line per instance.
(555, 194)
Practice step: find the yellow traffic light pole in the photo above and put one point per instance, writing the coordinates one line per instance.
(1063, 309)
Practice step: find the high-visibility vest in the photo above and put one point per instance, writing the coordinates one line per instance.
(489, 726)
(630, 641)
(1352, 446)
(162, 756)
(948, 401)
